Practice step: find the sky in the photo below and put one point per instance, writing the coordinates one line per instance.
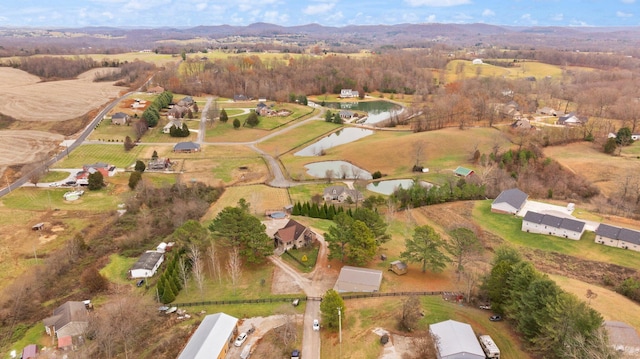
(188, 13)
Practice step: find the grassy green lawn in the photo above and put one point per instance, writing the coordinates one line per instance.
(304, 192)
(224, 132)
(113, 154)
(53, 176)
(307, 255)
(509, 228)
(40, 199)
(272, 122)
(117, 269)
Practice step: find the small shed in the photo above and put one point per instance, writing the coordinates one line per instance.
(398, 267)
(30, 351)
(37, 226)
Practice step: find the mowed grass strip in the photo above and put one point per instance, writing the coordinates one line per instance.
(113, 154)
(117, 269)
(510, 228)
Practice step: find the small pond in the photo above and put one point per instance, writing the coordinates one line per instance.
(376, 110)
(339, 169)
(389, 186)
(337, 138)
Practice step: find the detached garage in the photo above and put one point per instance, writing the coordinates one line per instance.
(354, 279)
(510, 201)
(455, 340)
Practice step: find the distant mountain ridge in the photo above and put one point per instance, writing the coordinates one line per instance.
(588, 38)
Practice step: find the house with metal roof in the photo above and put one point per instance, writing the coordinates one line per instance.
(618, 237)
(355, 279)
(212, 338)
(454, 340)
(623, 338)
(535, 222)
(147, 265)
(463, 172)
(186, 147)
(69, 319)
(509, 201)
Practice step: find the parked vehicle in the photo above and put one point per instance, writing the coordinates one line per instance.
(295, 302)
(316, 325)
(295, 354)
(485, 306)
(240, 339)
(495, 318)
(140, 283)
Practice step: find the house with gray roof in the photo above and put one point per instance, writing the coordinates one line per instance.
(618, 237)
(147, 265)
(186, 147)
(509, 201)
(535, 222)
(119, 118)
(293, 235)
(455, 340)
(355, 279)
(341, 194)
(212, 338)
(69, 319)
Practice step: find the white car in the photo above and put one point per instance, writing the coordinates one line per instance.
(240, 339)
(316, 325)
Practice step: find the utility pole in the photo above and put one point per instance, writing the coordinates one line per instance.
(340, 329)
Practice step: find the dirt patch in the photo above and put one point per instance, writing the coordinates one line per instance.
(19, 147)
(281, 283)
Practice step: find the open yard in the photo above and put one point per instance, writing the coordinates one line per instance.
(394, 153)
(605, 171)
(461, 69)
(113, 154)
(259, 197)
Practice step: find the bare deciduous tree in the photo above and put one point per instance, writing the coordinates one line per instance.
(411, 312)
(197, 267)
(183, 273)
(234, 266)
(214, 262)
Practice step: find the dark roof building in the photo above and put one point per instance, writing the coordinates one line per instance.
(186, 147)
(618, 237)
(509, 201)
(147, 264)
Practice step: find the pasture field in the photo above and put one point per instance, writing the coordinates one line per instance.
(304, 192)
(296, 137)
(464, 69)
(259, 197)
(611, 305)
(43, 199)
(25, 98)
(25, 146)
(394, 153)
(601, 169)
(113, 154)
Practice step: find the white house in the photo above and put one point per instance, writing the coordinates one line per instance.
(618, 237)
(510, 201)
(212, 338)
(535, 222)
(147, 265)
(348, 93)
(455, 340)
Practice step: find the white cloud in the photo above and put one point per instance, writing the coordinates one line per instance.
(462, 17)
(557, 17)
(275, 17)
(201, 6)
(623, 14)
(527, 18)
(488, 12)
(321, 8)
(437, 3)
(431, 18)
(137, 5)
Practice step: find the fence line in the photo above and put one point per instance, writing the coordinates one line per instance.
(305, 298)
